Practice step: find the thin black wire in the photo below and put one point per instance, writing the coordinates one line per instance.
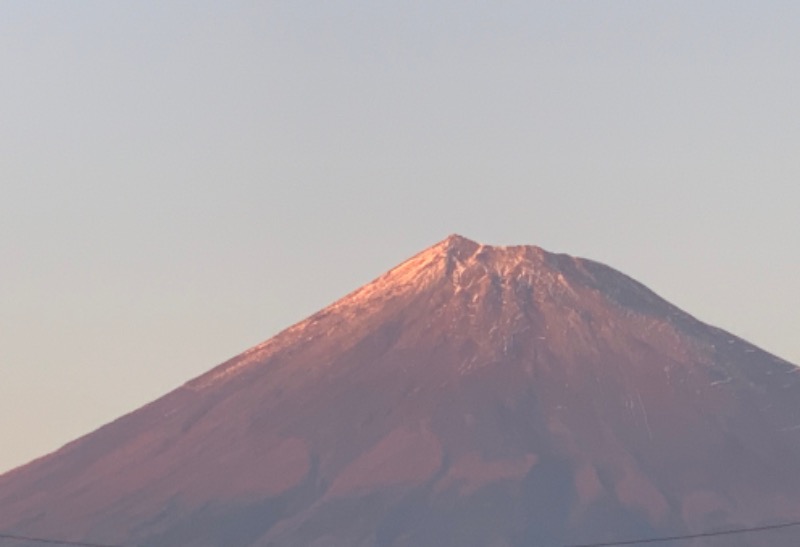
(731, 532)
(55, 541)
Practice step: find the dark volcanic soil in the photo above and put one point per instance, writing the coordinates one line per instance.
(472, 396)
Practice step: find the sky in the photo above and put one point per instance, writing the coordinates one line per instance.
(182, 180)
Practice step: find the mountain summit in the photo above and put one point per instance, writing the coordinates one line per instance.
(473, 395)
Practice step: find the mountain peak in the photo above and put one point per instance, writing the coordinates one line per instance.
(458, 241)
(447, 261)
(459, 252)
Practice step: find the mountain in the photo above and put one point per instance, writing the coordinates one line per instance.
(471, 396)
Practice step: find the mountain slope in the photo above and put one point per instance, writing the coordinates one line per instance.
(474, 395)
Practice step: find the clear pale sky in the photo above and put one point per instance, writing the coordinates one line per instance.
(181, 180)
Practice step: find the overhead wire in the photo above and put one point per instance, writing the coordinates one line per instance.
(619, 543)
(52, 541)
(684, 537)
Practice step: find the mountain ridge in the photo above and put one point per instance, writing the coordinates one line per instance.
(447, 259)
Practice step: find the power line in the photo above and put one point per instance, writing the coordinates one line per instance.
(55, 541)
(662, 539)
(731, 532)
